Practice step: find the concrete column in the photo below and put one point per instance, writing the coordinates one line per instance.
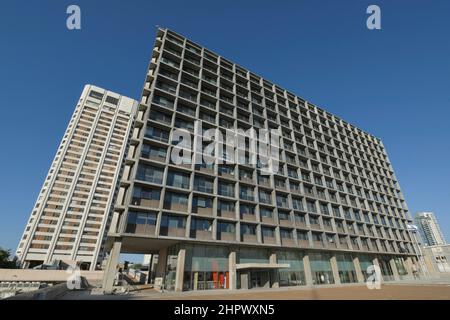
(276, 278)
(394, 269)
(359, 274)
(232, 269)
(307, 268)
(334, 268)
(180, 270)
(408, 265)
(161, 266)
(111, 268)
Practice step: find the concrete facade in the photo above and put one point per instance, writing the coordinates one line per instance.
(335, 192)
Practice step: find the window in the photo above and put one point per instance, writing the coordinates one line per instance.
(324, 209)
(226, 170)
(202, 202)
(226, 206)
(172, 198)
(286, 234)
(246, 209)
(264, 212)
(203, 185)
(150, 174)
(226, 227)
(226, 189)
(268, 232)
(172, 221)
(201, 224)
(311, 206)
(141, 222)
(302, 235)
(248, 229)
(284, 216)
(282, 201)
(297, 204)
(153, 152)
(96, 95)
(178, 179)
(141, 196)
(264, 197)
(246, 193)
(157, 134)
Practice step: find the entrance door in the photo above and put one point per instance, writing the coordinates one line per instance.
(260, 279)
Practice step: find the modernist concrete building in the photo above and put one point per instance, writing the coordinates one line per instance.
(429, 229)
(71, 214)
(332, 209)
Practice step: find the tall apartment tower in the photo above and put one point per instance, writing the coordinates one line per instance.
(429, 229)
(71, 214)
(332, 209)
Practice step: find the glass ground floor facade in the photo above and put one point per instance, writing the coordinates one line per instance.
(193, 266)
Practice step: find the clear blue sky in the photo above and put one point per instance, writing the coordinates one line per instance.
(393, 83)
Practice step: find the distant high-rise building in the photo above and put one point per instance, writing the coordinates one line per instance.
(430, 231)
(71, 213)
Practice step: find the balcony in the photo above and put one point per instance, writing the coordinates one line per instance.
(315, 226)
(343, 245)
(148, 203)
(245, 196)
(270, 240)
(318, 244)
(340, 229)
(201, 234)
(248, 217)
(288, 242)
(264, 183)
(175, 206)
(301, 224)
(142, 229)
(204, 211)
(174, 232)
(249, 238)
(226, 236)
(332, 245)
(266, 219)
(246, 179)
(285, 223)
(227, 214)
(303, 243)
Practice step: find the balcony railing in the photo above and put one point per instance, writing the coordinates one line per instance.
(226, 236)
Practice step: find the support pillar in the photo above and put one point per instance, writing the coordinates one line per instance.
(111, 268)
(232, 269)
(180, 270)
(394, 269)
(408, 266)
(276, 278)
(359, 274)
(334, 268)
(161, 266)
(307, 268)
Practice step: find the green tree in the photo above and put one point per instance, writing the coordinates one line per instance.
(6, 262)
